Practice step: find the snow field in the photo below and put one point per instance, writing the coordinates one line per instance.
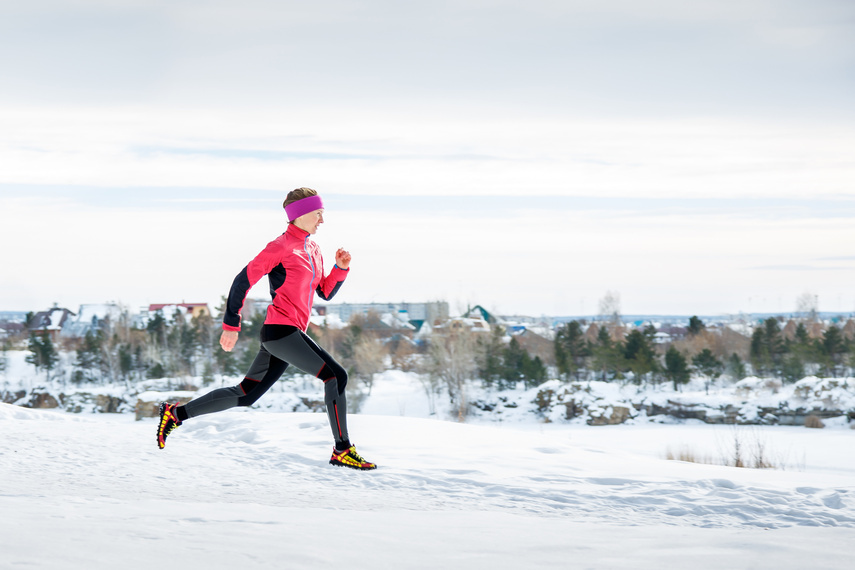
(254, 487)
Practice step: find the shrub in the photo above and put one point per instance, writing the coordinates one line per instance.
(814, 422)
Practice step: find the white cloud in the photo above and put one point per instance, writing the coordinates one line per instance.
(402, 155)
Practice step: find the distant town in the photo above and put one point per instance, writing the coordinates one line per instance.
(560, 368)
(64, 322)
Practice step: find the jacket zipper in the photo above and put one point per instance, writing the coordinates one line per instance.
(312, 282)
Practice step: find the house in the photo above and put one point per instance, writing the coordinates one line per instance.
(91, 318)
(662, 337)
(464, 324)
(415, 313)
(50, 321)
(480, 312)
(194, 309)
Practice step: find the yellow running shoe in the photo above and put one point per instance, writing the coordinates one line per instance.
(349, 458)
(168, 422)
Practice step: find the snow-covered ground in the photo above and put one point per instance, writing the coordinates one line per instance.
(252, 488)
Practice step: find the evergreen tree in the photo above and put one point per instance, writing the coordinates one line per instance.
(735, 367)
(126, 361)
(802, 337)
(490, 365)
(181, 345)
(206, 344)
(140, 363)
(768, 348)
(4, 348)
(832, 348)
(514, 362)
(156, 371)
(571, 349)
(696, 325)
(792, 368)
(519, 366)
(676, 368)
(639, 354)
(607, 357)
(188, 343)
(534, 371)
(708, 366)
(802, 352)
(88, 356)
(156, 327)
(760, 358)
(158, 354)
(43, 355)
(775, 342)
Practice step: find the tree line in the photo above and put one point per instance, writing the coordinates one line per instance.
(792, 356)
(178, 345)
(117, 350)
(769, 352)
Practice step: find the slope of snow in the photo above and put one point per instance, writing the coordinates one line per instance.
(253, 488)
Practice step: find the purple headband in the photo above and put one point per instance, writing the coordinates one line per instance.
(303, 206)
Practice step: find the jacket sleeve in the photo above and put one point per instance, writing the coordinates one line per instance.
(260, 266)
(330, 284)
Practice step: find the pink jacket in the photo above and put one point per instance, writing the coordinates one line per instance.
(295, 269)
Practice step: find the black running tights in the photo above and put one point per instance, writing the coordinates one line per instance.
(281, 346)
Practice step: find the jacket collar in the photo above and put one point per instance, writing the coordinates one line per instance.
(296, 232)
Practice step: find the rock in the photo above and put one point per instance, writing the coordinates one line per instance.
(148, 403)
(11, 397)
(799, 416)
(312, 405)
(41, 400)
(613, 415)
(79, 402)
(573, 410)
(109, 404)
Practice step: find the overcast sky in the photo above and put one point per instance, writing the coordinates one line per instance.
(692, 157)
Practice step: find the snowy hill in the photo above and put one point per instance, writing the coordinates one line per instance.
(252, 488)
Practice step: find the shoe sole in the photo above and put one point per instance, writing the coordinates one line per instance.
(162, 410)
(357, 467)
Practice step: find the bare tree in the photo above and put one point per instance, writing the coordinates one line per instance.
(453, 363)
(369, 356)
(610, 315)
(610, 307)
(807, 305)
